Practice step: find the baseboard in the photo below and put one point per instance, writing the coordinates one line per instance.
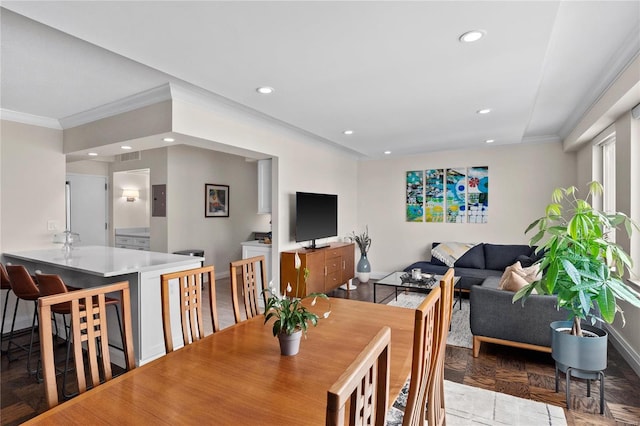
(625, 349)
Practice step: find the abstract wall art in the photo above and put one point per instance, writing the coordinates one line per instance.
(434, 195)
(415, 196)
(451, 195)
(478, 194)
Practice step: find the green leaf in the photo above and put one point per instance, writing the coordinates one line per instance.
(536, 238)
(532, 225)
(624, 292)
(571, 271)
(607, 304)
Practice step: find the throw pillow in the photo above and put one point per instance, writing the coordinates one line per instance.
(515, 282)
(515, 276)
(449, 252)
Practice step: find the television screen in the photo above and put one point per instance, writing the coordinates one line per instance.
(316, 216)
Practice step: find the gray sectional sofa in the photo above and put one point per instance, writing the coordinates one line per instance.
(482, 261)
(493, 317)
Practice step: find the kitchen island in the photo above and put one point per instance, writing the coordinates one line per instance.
(90, 266)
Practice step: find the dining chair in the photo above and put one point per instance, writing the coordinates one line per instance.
(190, 284)
(5, 284)
(249, 275)
(90, 332)
(25, 288)
(50, 284)
(436, 413)
(425, 333)
(364, 386)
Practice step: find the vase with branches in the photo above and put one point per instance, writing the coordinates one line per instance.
(364, 244)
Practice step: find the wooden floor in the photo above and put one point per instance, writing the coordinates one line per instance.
(526, 374)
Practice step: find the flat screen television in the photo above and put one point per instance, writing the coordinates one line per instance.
(316, 217)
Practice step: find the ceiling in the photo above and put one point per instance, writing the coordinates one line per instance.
(394, 72)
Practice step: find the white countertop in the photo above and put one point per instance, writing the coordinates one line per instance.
(104, 261)
(255, 243)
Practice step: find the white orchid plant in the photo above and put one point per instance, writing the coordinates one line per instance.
(289, 312)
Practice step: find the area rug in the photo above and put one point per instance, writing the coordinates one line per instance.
(460, 333)
(467, 405)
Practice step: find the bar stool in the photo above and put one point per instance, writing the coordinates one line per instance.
(50, 284)
(25, 288)
(5, 284)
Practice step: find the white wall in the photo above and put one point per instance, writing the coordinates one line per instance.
(300, 163)
(89, 167)
(189, 169)
(131, 214)
(33, 185)
(32, 191)
(627, 338)
(521, 179)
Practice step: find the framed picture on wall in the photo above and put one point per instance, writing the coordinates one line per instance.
(216, 200)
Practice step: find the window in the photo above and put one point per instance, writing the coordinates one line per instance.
(608, 150)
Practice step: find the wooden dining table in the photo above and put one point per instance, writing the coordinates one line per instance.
(238, 377)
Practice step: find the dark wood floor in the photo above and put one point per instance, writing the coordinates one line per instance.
(526, 374)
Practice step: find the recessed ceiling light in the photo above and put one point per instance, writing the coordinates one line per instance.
(387, 152)
(471, 36)
(92, 154)
(125, 147)
(348, 132)
(484, 111)
(490, 140)
(265, 90)
(169, 139)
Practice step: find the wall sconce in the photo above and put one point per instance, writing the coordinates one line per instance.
(130, 194)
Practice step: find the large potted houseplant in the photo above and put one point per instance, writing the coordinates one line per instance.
(291, 314)
(584, 269)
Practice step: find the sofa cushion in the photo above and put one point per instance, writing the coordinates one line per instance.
(499, 256)
(474, 258)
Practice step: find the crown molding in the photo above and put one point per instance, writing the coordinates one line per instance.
(34, 120)
(542, 139)
(130, 103)
(620, 61)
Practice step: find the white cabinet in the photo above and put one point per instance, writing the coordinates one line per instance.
(133, 243)
(264, 186)
(256, 248)
(132, 238)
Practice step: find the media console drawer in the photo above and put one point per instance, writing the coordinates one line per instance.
(329, 267)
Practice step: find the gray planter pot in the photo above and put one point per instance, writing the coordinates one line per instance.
(583, 354)
(582, 357)
(290, 343)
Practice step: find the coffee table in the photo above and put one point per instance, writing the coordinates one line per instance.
(402, 281)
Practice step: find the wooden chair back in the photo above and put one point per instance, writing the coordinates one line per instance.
(436, 413)
(248, 271)
(364, 385)
(425, 333)
(90, 334)
(190, 284)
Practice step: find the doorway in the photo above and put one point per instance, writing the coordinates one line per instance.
(131, 199)
(88, 208)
